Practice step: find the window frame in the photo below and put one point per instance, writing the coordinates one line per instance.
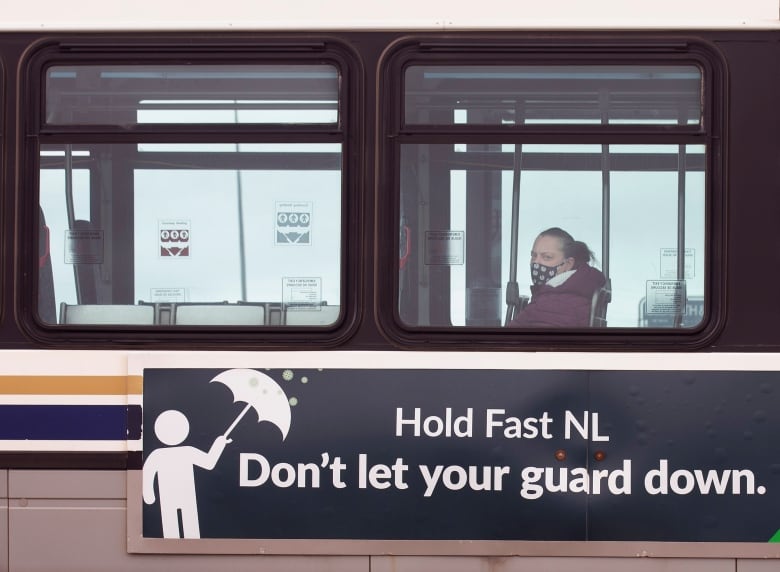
(582, 49)
(214, 49)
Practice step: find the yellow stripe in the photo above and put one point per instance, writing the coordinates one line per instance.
(71, 385)
(135, 384)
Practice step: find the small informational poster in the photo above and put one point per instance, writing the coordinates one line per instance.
(83, 246)
(444, 247)
(160, 295)
(293, 222)
(665, 296)
(669, 263)
(302, 293)
(175, 238)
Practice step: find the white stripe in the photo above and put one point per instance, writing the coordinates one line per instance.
(66, 362)
(70, 446)
(242, 15)
(509, 360)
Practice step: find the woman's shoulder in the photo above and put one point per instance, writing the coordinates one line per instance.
(587, 278)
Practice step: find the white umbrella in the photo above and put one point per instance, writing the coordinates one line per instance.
(260, 393)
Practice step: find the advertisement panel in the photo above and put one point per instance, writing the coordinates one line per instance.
(457, 455)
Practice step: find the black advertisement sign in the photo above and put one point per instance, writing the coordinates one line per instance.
(679, 456)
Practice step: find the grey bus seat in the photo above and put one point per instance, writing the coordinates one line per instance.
(598, 307)
(311, 315)
(272, 311)
(110, 314)
(216, 314)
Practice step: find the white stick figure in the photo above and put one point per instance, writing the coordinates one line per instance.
(173, 466)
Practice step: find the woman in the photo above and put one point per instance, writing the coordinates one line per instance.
(563, 283)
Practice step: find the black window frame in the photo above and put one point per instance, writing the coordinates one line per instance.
(175, 49)
(477, 49)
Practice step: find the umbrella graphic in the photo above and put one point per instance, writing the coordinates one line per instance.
(260, 393)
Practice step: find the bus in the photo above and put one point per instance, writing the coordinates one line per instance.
(388, 287)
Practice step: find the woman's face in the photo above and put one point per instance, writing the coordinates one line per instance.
(548, 251)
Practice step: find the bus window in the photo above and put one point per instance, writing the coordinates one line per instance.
(493, 155)
(213, 194)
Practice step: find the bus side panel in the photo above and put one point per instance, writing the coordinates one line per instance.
(76, 520)
(3, 521)
(752, 197)
(558, 564)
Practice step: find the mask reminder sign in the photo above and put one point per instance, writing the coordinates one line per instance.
(460, 454)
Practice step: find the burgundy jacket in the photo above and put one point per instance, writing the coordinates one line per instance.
(565, 306)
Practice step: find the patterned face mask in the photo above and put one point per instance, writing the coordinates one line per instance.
(541, 273)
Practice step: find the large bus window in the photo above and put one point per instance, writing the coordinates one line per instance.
(194, 195)
(492, 156)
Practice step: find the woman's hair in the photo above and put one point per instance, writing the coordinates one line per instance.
(575, 249)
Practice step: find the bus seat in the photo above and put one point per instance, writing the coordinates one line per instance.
(598, 307)
(272, 311)
(274, 317)
(197, 314)
(162, 311)
(100, 314)
(306, 315)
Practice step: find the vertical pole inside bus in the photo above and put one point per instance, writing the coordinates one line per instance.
(512, 287)
(680, 311)
(71, 211)
(606, 221)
